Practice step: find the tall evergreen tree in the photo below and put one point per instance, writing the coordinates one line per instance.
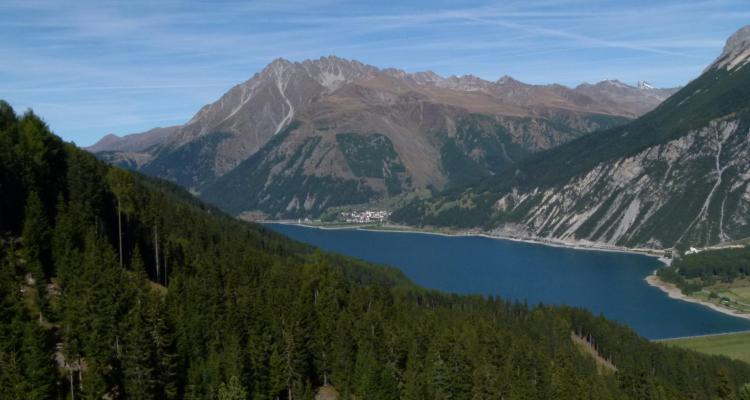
(37, 361)
(123, 187)
(36, 237)
(137, 355)
(232, 391)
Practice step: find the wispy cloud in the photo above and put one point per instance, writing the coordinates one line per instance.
(111, 88)
(94, 67)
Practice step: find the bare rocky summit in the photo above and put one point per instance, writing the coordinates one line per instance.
(736, 51)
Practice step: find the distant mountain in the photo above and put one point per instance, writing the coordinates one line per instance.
(298, 138)
(678, 175)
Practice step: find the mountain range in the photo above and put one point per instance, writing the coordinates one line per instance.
(300, 137)
(677, 176)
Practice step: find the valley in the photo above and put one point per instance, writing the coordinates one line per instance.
(355, 200)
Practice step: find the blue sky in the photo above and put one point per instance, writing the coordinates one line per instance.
(97, 67)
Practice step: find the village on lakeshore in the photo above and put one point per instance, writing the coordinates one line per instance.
(366, 216)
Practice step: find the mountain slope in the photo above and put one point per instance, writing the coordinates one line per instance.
(444, 132)
(176, 300)
(678, 175)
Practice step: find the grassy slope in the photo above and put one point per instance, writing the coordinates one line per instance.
(736, 345)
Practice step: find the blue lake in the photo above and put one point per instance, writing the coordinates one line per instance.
(604, 282)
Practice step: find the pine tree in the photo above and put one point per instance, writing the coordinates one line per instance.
(37, 362)
(13, 385)
(232, 391)
(724, 390)
(292, 353)
(277, 377)
(36, 237)
(137, 358)
(367, 373)
(122, 185)
(744, 393)
(165, 355)
(450, 368)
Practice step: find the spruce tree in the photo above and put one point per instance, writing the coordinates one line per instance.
(744, 393)
(37, 362)
(232, 391)
(36, 237)
(137, 355)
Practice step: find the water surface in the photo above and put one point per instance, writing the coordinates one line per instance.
(609, 283)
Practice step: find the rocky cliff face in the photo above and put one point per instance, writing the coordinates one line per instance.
(695, 189)
(677, 176)
(443, 132)
(736, 52)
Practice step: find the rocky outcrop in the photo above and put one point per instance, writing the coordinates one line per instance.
(736, 51)
(698, 184)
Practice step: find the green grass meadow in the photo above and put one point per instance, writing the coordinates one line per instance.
(735, 345)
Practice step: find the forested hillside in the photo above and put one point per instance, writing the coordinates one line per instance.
(113, 285)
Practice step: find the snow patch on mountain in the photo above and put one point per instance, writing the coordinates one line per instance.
(643, 85)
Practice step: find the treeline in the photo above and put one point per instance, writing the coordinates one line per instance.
(696, 271)
(117, 286)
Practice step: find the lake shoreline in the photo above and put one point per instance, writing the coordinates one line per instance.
(574, 245)
(674, 292)
(652, 279)
(636, 282)
(708, 335)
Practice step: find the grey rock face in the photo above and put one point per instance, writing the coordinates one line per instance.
(736, 51)
(623, 200)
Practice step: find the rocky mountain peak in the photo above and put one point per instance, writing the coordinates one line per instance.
(736, 51)
(466, 83)
(614, 83)
(277, 64)
(108, 141)
(426, 77)
(332, 72)
(507, 80)
(329, 71)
